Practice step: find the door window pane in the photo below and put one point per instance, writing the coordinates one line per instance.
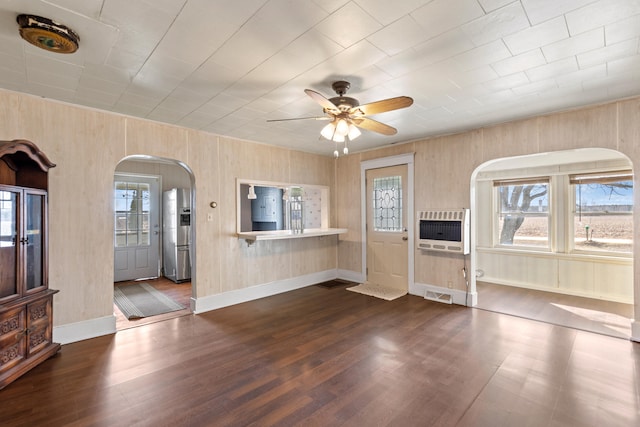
(132, 204)
(387, 203)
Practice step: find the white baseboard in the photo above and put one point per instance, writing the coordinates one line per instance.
(457, 296)
(213, 302)
(635, 331)
(352, 276)
(564, 291)
(79, 331)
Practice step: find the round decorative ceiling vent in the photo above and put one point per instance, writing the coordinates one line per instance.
(47, 35)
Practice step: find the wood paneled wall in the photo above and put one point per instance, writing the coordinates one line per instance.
(87, 146)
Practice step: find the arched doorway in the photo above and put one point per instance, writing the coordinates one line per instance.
(144, 290)
(555, 272)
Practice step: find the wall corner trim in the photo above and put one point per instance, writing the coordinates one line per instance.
(79, 331)
(635, 331)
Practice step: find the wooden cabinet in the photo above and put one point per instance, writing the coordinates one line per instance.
(26, 302)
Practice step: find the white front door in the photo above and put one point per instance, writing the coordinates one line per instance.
(137, 227)
(387, 239)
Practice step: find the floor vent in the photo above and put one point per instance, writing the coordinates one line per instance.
(438, 297)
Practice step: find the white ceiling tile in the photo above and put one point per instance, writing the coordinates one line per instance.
(131, 109)
(543, 10)
(601, 13)
(430, 52)
(195, 120)
(535, 87)
(331, 6)
(575, 45)
(537, 36)
(171, 66)
(140, 101)
(477, 75)
(525, 61)
(12, 46)
(192, 40)
(482, 55)
(50, 64)
(10, 63)
(90, 8)
(598, 71)
(608, 53)
(152, 82)
(228, 65)
(359, 56)
(491, 5)
(623, 30)
(386, 12)
(52, 92)
(438, 16)
(13, 80)
(548, 71)
(348, 25)
(109, 86)
(507, 82)
(96, 98)
(164, 115)
(259, 38)
(398, 36)
(624, 65)
(497, 24)
(178, 105)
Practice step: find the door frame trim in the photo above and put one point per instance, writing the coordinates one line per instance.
(401, 159)
(159, 195)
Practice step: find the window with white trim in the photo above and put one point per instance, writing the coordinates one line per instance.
(603, 212)
(523, 208)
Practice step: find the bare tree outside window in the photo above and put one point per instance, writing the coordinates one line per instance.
(524, 204)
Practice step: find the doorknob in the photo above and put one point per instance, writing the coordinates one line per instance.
(405, 238)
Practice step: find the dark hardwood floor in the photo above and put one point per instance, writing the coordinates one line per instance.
(322, 356)
(179, 292)
(587, 314)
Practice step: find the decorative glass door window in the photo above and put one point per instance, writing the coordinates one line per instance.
(387, 203)
(131, 214)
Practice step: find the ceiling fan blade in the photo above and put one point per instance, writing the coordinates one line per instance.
(383, 106)
(375, 126)
(324, 102)
(302, 118)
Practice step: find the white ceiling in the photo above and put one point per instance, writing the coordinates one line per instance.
(227, 66)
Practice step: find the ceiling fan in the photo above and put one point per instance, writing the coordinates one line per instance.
(347, 115)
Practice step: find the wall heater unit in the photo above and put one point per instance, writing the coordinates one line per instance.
(444, 230)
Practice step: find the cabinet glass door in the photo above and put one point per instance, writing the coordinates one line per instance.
(34, 240)
(8, 243)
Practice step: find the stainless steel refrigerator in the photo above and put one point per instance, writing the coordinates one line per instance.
(176, 234)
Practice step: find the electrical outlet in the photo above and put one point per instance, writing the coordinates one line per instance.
(449, 284)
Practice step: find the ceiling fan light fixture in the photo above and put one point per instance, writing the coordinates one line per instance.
(354, 132)
(338, 138)
(328, 131)
(47, 34)
(342, 128)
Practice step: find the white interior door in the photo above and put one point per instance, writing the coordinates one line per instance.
(137, 227)
(387, 238)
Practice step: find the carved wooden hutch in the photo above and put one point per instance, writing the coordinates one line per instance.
(26, 302)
